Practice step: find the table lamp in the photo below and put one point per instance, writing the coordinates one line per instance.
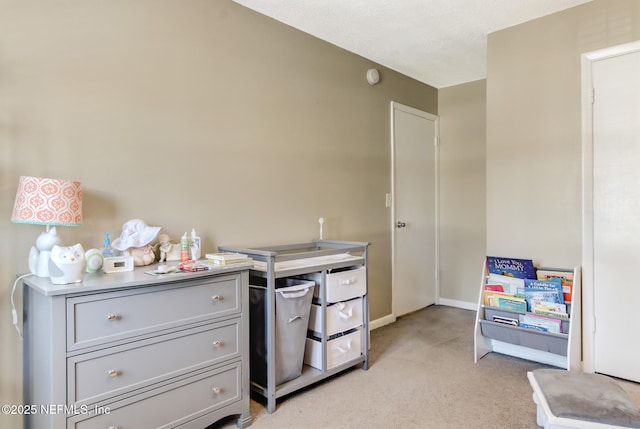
(49, 202)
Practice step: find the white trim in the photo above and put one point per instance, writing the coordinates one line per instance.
(407, 109)
(458, 304)
(382, 321)
(390, 318)
(588, 290)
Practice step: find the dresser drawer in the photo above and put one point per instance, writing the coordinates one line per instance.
(170, 405)
(344, 285)
(99, 375)
(104, 318)
(340, 316)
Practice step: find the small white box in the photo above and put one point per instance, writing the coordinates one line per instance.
(344, 285)
(116, 264)
(339, 350)
(341, 316)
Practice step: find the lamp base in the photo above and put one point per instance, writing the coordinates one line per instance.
(39, 262)
(39, 256)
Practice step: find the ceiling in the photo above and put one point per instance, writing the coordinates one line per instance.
(438, 42)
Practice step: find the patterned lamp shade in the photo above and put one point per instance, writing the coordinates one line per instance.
(48, 202)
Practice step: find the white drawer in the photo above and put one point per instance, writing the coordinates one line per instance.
(344, 285)
(99, 375)
(104, 318)
(339, 350)
(340, 316)
(168, 405)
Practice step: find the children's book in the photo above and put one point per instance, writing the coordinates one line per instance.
(513, 267)
(545, 285)
(489, 295)
(533, 297)
(510, 284)
(517, 304)
(494, 287)
(565, 276)
(548, 323)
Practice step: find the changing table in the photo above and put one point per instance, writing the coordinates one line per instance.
(339, 270)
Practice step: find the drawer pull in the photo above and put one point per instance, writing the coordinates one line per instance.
(114, 373)
(342, 349)
(348, 281)
(344, 314)
(216, 390)
(216, 298)
(114, 427)
(112, 317)
(217, 343)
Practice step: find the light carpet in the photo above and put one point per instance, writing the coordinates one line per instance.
(421, 375)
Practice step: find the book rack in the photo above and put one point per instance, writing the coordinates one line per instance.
(560, 350)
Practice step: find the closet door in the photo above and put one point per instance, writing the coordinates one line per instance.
(616, 215)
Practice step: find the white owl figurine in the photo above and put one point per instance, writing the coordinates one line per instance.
(67, 264)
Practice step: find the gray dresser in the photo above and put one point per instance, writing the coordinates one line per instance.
(134, 350)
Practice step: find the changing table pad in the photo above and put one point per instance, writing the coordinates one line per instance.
(305, 262)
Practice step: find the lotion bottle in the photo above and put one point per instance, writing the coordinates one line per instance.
(184, 248)
(195, 245)
(107, 250)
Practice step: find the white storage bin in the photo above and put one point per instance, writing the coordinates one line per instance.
(344, 285)
(341, 317)
(339, 350)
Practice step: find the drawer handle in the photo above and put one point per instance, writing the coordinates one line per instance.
(216, 390)
(216, 298)
(346, 314)
(112, 317)
(114, 373)
(343, 349)
(114, 427)
(348, 281)
(217, 343)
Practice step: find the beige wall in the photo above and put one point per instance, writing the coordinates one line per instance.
(462, 111)
(191, 113)
(533, 128)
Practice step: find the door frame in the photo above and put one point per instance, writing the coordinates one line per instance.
(393, 106)
(588, 288)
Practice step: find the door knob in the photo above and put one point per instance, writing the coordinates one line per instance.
(401, 224)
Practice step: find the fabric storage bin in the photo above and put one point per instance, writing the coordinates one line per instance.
(340, 349)
(545, 341)
(489, 312)
(341, 316)
(293, 303)
(346, 284)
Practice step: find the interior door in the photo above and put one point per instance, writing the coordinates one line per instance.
(616, 214)
(414, 208)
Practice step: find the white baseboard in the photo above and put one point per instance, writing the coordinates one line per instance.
(379, 323)
(390, 318)
(459, 304)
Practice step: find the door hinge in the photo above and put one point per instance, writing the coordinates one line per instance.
(436, 141)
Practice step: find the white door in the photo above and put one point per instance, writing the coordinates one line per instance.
(616, 215)
(414, 208)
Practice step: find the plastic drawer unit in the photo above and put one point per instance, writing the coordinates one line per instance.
(340, 317)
